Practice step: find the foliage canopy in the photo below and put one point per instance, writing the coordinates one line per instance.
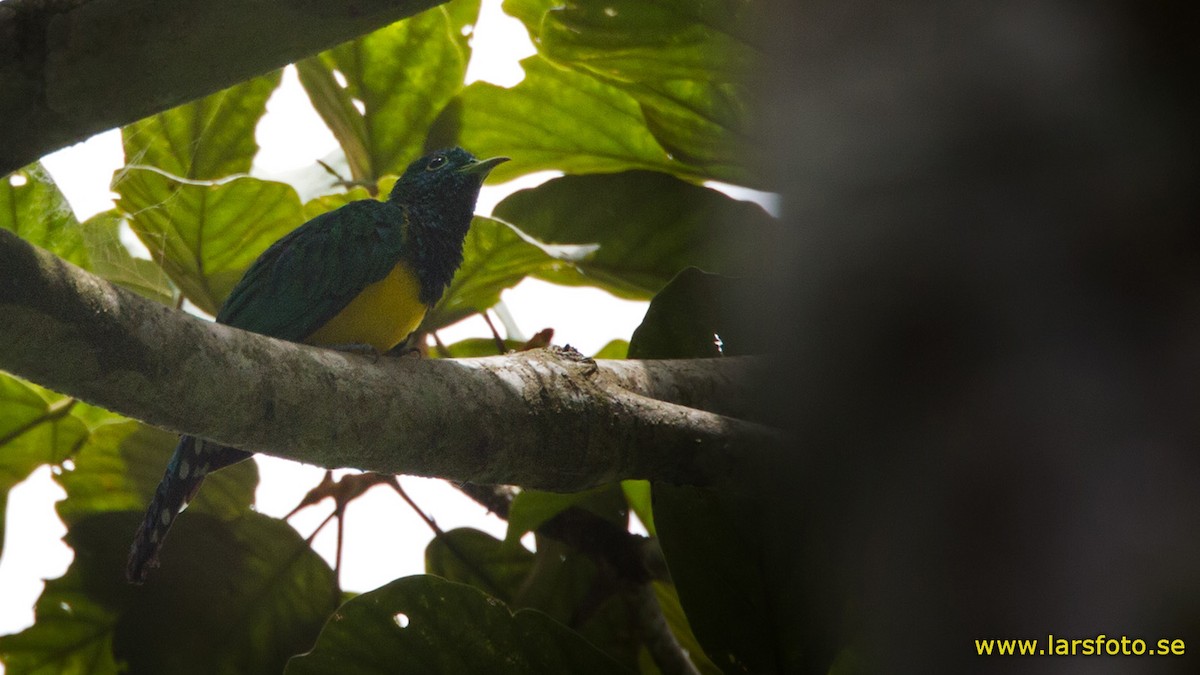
(638, 104)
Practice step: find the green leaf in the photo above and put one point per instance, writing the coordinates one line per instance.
(718, 571)
(668, 600)
(477, 558)
(36, 428)
(615, 349)
(120, 465)
(112, 261)
(425, 624)
(72, 632)
(530, 13)
(697, 315)
(731, 568)
(212, 137)
(401, 75)
(495, 257)
(559, 119)
(567, 585)
(474, 347)
(206, 234)
(33, 208)
(231, 596)
(648, 227)
(531, 508)
(317, 206)
(637, 495)
(681, 60)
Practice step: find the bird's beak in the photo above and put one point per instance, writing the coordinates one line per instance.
(483, 166)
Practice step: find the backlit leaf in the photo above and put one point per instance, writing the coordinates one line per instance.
(205, 235)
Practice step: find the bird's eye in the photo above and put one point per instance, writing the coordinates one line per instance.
(436, 163)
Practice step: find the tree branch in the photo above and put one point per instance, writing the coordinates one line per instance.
(545, 418)
(73, 68)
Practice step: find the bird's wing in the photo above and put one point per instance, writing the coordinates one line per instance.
(308, 276)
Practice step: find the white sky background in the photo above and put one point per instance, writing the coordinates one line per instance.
(384, 539)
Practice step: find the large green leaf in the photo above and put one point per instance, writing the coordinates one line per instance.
(230, 578)
(475, 347)
(401, 75)
(639, 498)
(648, 226)
(732, 567)
(237, 596)
(668, 600)
(120, 465)
(681, 60)
(206, 234)
(477, 558)
(614, 349)
(558, 119)
(212, 137)
(495, 257)
(33, 208)
(111, 260)
(72, 632)
(425, 624)
(36, 427)
(697, 315)
(531, 508)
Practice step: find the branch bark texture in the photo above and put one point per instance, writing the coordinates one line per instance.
(73, 68)
(547, 418)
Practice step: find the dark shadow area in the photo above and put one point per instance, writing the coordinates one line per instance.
(993, 322)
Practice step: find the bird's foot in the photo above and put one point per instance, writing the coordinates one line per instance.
(406, 352)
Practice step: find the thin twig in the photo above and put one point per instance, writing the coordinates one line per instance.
(500, 348)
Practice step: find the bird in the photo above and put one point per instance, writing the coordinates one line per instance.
(359, 276)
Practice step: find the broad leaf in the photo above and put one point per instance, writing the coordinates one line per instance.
(212, 137)
(558, 119)
(317, 206)
(531, 508)
(231, 596)
(425, 624)
(120, 465)
(401, 76)
(477, 558)
(732, 570)
(112, 261)
(697, 315)
(475, 347)
(615, 349)
(681, 60)
(72, 632)
(648, 226)
(206, 234)
(637, 495)
(36, 428)
(668, 600)
(33, 208)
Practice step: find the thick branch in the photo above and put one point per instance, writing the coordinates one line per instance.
(545, 418)
(73, 68)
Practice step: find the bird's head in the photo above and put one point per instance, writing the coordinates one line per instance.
(445, 180)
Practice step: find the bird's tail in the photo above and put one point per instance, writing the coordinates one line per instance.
(194, 459)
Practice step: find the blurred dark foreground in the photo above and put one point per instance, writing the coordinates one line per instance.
(992, 311)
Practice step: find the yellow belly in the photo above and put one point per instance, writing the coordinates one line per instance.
(381, 316)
